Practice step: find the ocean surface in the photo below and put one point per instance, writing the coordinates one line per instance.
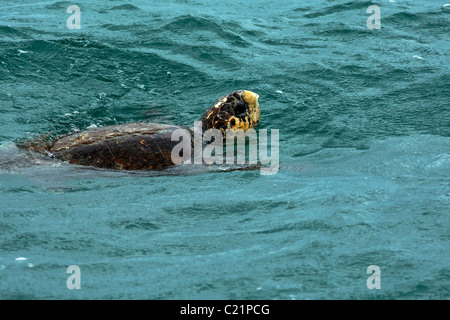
(363, 118)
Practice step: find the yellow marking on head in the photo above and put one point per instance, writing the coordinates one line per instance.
(245, 124)
(236, 123)
(233, 123)
(251, 99)
(218, 104)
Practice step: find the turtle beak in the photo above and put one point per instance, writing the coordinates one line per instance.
(251, 99)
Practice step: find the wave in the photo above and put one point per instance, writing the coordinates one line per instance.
(59, 5)
(191, 24)
(337, 8)
(127, 6)
(435, 20)
(13, 33)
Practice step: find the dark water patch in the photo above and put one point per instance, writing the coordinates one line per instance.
(256, 34)
(135, 224)
(20, 190)
(190, 24)
(124, 27)
(42, 46)
(7, 32)
(302, 9)
(268, 27)
(405, 18)
(209, 55)
(291, 43)
(344, 32)
(72, 244)
(434, 23)
(81, 43)
(196, 210)
(339, 8)
(313, 225)
(35, 58)
(25, 241)
(356, 70)
(59, 5)
(7, 228)
(430, 288)
(158, 42)
(35, 33)
(127, 6)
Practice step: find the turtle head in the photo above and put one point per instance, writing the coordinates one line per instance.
(237, 110)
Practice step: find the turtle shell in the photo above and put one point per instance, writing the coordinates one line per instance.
(133, 146)
(146, 146)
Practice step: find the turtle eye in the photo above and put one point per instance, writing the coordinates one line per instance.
(240, 108)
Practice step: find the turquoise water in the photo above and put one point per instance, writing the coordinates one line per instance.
(363, 119)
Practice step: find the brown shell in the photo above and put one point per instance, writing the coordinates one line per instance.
(133, 146)
(146, 146)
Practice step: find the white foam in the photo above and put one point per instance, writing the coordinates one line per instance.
(21, 259)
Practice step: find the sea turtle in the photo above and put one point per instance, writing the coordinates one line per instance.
(147, 146)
